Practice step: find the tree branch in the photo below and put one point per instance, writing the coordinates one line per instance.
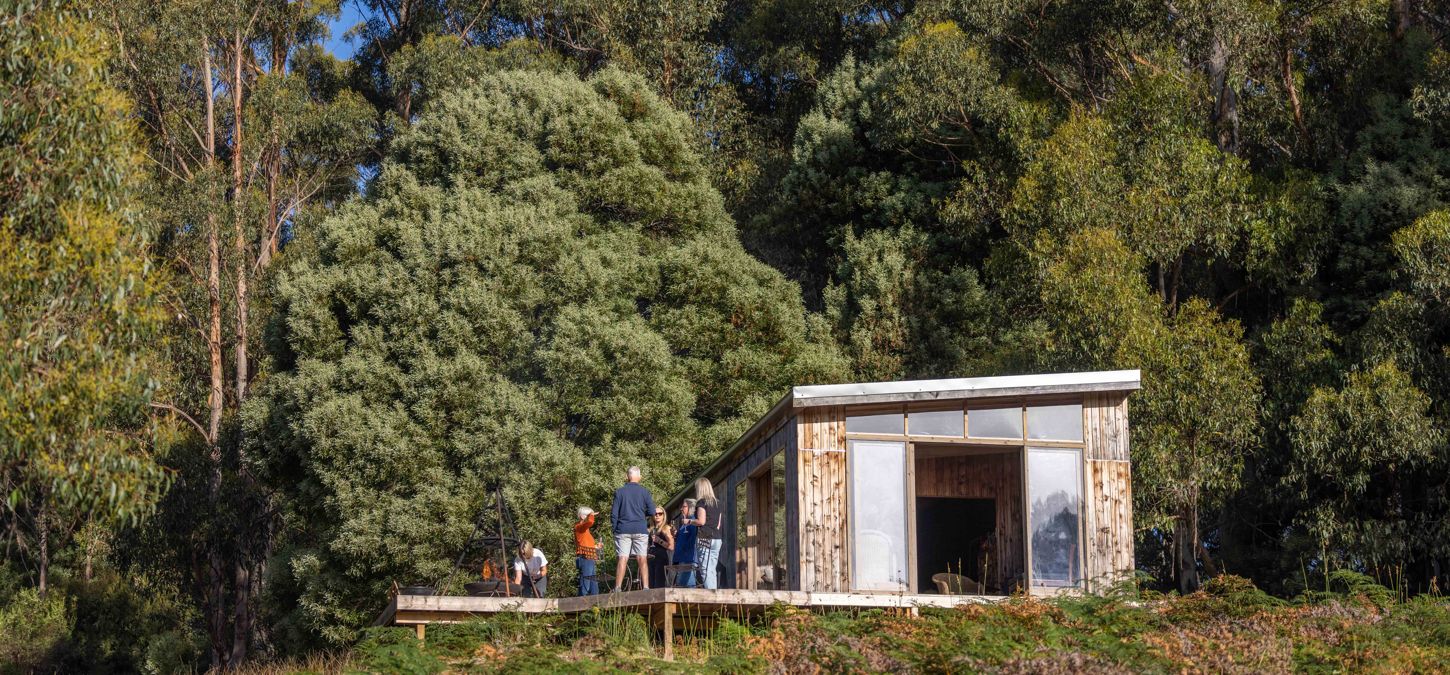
(182, 413)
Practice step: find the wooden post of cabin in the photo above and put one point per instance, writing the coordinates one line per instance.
(668, 621)
(419, 629)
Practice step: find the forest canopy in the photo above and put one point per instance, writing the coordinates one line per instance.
(278, 318)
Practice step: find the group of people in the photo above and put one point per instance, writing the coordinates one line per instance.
(643, 531)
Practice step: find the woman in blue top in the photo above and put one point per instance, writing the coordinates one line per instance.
(685, 544)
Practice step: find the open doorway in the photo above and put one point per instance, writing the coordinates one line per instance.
(969, 523)
(953, 536)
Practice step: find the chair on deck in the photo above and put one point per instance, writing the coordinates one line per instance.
(673, 572)
(956, 584)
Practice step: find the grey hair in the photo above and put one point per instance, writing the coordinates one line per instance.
(690, 503)
(634, 472)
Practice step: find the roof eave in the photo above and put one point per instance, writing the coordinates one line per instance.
(779, 408)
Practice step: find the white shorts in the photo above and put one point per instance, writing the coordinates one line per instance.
(631, 544)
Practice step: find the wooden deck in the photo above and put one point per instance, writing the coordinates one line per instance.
(668, 609)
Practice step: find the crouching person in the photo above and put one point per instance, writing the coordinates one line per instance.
(531, 569)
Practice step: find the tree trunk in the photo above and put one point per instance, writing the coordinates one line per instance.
(216, 395)
(1225, 116)
(214, 399)
(238, 153)
(242, 621)
(1286, 57)
(267, 240)
(1185, 544)
(42, 529)
(1402, 12)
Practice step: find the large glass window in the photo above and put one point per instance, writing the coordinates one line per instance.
(995, 423)
(1054, 490)
(878, 515)
(876, 423)
(1055, 422)
(935, 423)
(777, 525)
(744, 536)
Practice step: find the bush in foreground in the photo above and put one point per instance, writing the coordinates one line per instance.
(1230, 626)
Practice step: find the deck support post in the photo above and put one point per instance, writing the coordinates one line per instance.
(668, 621)
(419, 630)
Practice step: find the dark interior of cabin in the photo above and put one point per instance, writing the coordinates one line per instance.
(953, 535)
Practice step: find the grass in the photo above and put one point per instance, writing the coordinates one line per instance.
(1230, 626)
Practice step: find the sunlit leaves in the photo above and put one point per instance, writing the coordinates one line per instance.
(1355, 449)
(78, 297)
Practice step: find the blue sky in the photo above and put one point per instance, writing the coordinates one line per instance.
(352, 15)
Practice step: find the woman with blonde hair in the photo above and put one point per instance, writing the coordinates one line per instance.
(661, 545)
(531, 568)
(709, 522)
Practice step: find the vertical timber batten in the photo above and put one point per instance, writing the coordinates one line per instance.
(821, 490)
(1108, 511)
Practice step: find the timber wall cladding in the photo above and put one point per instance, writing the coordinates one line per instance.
(996, 477)
(1108, 521)
(1105, 425)
(821, 491)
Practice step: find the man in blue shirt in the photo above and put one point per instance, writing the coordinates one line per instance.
(629, 517)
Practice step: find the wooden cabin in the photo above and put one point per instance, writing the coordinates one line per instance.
(983, 485)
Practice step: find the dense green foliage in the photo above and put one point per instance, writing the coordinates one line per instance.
(78, 304)
(528, 243)
(539, 289)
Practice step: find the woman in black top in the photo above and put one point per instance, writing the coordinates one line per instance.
(661, 545)
(710, 521)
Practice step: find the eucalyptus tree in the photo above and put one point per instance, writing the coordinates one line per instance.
(80, 301)
(1369, 461)
(247, 127)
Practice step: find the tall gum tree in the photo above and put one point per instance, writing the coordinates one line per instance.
(247, 128)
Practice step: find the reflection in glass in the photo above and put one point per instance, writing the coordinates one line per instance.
(776, 571)
(936, 423)
(877, 423)
(1055, 493)
(1055, 422)
(744, 542)
(878, 515)
(995, 423)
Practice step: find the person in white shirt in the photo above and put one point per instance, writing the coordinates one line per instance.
(531, 568)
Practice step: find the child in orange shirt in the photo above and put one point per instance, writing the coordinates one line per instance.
(586, 552)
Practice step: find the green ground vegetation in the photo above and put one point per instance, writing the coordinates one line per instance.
(1350, 625)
